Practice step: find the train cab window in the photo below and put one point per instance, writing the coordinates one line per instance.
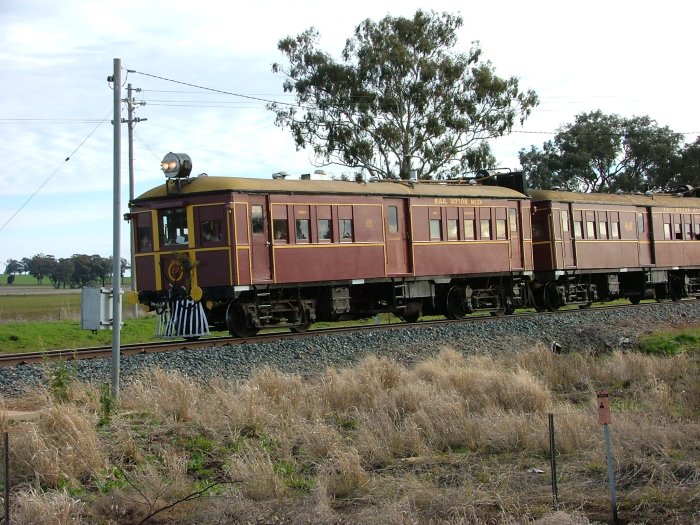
(435, 229)
(345, 230)
(302, 228)
(256, 219)
(173, 224)
(485, 229)
(324, 230)
(144, 239)
(279, 230)
(452, 229)
(501, 229)
(211, 231)
(393, 219)
(578, 229)
(469, 233)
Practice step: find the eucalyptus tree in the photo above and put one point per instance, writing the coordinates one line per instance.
(605, 153)
(403, 97)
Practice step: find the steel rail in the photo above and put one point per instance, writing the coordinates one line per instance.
(26, 358)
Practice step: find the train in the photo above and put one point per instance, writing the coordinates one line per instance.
(244, 254)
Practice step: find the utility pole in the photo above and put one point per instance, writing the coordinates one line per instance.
(131, 121)
(116, 248)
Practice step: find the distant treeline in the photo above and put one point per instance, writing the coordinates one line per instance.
(75, 271)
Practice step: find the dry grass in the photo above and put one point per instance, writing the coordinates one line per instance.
(456, 439)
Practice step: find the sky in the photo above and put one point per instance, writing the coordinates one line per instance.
(630, 58)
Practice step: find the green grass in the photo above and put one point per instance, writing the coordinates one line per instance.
(56, 307)
(672, 343)
(38, 336)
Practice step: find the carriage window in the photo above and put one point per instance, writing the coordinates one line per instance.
(211, 231)
(614, 230)
(303, 230)
(469, 229)
(590, 230)
(603, 229)
(393, 219)
(324, 230)
(279, 229)
(256, 219)
(345, 230)
(173, 224)
(452, 229)
(500, 228)
(667, 230)
(578, 229)
(485, 229)
(513, 216)
(564, 220)
(688, 231)
(677, 230)
(640, 222)
(435, 227)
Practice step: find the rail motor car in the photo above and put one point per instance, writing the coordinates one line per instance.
(598, 246)
(247, 254)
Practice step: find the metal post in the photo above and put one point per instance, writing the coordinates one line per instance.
(130, 123)
(611, 471)
(116, 248)
(553, 463)
(6, 461)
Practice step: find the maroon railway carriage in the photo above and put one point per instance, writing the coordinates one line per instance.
(597, 246)
(254, 253)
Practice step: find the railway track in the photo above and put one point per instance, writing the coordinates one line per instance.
(7, 360)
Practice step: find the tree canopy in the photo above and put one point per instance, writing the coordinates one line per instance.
(606, 153)
(401, 99)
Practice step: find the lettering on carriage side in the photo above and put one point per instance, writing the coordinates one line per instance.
(678, 210)
(456, 201)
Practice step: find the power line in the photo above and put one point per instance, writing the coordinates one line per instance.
(58, 168)
(251, 97)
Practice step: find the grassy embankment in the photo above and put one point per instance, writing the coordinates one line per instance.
(455, 439)
(42, 318)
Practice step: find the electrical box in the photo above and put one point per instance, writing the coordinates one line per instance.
(96, 307)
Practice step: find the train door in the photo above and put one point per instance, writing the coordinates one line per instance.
(516, 250)
(556, 238)
(260, 238)
(398, 259)
(566, 237)
(645, 236)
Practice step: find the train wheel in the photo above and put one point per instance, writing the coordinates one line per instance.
(237, 321)
(304, 322)
(457, 305)
(412, 312)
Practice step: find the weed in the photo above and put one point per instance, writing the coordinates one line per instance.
(107, 405)
(60, 376)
